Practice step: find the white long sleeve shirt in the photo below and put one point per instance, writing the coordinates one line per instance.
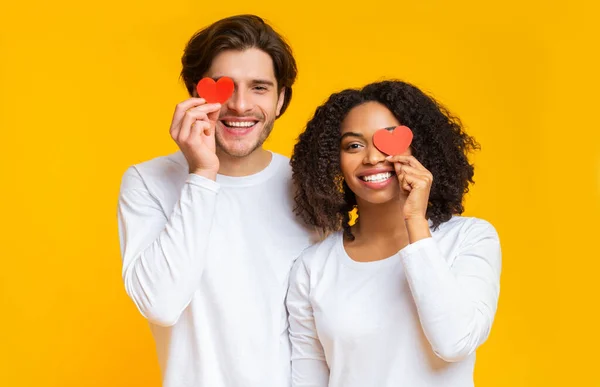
(413, 319)
(207, 263)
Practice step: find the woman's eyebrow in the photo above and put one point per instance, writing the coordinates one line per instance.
(352, 134)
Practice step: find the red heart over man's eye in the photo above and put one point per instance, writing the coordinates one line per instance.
(215, 92)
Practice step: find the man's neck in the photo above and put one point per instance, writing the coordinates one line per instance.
(243, 166)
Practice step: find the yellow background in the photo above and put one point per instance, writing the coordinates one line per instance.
(87, 89)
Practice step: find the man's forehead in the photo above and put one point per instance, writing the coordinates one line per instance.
(245, 79)
(247, 66)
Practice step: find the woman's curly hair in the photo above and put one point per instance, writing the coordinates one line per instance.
(324, 200)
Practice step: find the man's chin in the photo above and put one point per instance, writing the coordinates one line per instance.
(238, 148)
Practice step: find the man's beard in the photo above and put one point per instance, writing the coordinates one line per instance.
(266, 130)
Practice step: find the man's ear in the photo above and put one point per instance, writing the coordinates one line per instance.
(280, 101)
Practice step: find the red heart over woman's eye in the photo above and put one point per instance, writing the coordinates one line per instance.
(395, 142)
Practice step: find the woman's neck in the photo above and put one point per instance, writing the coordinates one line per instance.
(380, 221)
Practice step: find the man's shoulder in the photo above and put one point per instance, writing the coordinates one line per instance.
(283, 163)
(163, 171)
(280, 157)
(163, 165)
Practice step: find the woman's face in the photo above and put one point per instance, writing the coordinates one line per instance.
(367, 173)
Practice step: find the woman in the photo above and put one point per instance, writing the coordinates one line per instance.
(405, 295)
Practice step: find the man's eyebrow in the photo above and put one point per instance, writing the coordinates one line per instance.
(257, 81)
(262, 82)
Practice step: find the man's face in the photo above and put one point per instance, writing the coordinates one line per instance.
(247, 118)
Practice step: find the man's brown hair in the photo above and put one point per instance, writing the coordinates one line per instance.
(239, 33)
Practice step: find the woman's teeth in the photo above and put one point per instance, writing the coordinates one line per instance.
(377, 177)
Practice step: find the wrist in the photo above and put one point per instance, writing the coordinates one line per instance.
(209, 174)
(416, 219)
(418, 228)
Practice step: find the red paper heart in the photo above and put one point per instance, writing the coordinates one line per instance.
(215, 92)
(395, 142)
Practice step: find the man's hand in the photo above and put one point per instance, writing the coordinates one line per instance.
(193, 129)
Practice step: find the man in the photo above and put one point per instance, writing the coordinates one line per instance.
(208, 234)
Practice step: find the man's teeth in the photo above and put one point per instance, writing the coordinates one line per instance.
(239, 124)
(378, 177)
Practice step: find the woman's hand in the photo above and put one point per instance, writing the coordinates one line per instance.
(415, 185)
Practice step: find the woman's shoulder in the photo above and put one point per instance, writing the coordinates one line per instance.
(318, 253)
(467, 228)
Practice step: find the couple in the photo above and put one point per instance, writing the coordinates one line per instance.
(216, 238)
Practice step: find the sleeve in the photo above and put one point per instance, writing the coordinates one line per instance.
(163, 258)
(309, 367)
(456, 303)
